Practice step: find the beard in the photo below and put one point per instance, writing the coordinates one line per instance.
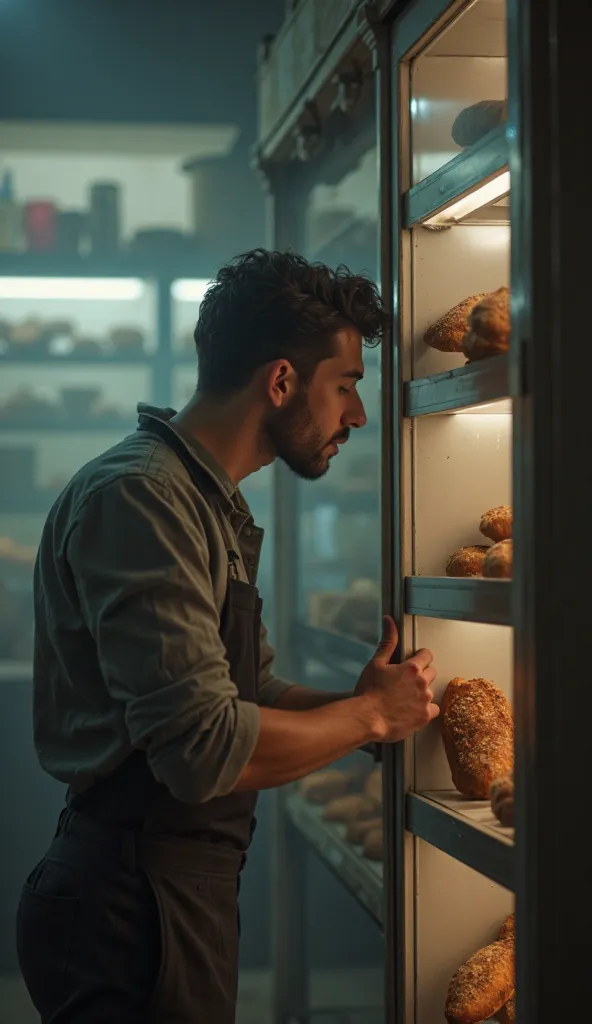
(296, 438)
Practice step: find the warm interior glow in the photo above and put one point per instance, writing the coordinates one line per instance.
(482, 196)
(501, 408)
(190, 291)
(92, 288)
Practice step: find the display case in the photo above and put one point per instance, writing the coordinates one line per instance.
(476, 227)
(82, 341)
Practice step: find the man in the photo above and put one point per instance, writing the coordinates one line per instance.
(154, 696)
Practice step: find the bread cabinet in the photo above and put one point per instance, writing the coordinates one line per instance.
(445, 510)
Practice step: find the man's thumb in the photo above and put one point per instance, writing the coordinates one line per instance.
(388, 641)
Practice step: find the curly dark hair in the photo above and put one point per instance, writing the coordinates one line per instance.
(265, 305)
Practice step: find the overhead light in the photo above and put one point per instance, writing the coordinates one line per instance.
(190, 290)
(503, 407)
(490, 192)
(91, 288)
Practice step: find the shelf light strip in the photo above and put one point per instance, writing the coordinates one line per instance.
(488, 193)
(104, 289)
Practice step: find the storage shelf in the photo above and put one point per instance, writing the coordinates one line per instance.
(474, 165)
(487, 380)
(68, 427)
(363, 878)
(46, 359)
(468, 600)
(466, 830)
(118, 265)
(332, 649)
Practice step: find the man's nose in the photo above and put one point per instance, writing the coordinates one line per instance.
(356, 416)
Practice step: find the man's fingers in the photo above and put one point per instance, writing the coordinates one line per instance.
(388, 641)
(433, 711)
(429, 674)
(422, 658)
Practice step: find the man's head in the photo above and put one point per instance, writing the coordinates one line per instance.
(290, 334)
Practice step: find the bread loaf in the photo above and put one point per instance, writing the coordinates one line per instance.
(373, 786)
(496, 524)
(357, 830)
(482, 985)
(478, 733)
(498, 561)
(467, 561)
(349, 808)
(447, 333)
(502, 800)
(507, 1014)
(488, 322)
(508, 928)
(320, 787)
(373, 844)
(475, 121)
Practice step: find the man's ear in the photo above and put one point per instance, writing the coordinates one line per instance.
(281, 382)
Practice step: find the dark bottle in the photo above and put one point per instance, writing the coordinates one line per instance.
(104, 217)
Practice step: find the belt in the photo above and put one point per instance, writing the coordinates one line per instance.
(151, 851)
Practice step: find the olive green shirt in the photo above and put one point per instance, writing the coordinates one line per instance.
(130, 581)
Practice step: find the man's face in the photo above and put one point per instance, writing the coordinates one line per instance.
(306, 432)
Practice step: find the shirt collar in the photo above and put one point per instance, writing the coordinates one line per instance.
(201, 455)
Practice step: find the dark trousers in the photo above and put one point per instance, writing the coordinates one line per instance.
(117, 928)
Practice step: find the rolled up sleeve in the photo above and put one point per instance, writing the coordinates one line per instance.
(141, 563)
(271, 687)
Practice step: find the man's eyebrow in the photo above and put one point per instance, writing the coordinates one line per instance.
(354, 374)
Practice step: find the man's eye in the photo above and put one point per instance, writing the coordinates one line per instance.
(343, 390)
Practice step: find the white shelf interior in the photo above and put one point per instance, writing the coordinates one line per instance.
(465, 64)
(472, 651)
(462, 468)
(457, 911)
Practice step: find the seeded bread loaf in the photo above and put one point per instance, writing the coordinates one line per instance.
(467, 561)
(483, 985)
(498, 561)
(357, 830)
(496, 524)
(488, 324)
(478, 733)
(502, 800)
(447, 333)
(507, 1014)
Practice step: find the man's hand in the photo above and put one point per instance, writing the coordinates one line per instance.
(401, 694)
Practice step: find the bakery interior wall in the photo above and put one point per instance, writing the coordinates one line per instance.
(158, 98)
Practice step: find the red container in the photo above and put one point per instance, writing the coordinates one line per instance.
(40, 225)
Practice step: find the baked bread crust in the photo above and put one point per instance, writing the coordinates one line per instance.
(447, 333)
(498, 561)
(496, 524)
(482, 985)
(488, 326)
(467, 561)
(478, 733)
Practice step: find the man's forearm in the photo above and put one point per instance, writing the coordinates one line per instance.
(292, 744)
(303, 698)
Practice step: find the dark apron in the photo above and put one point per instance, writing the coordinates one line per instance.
(132, 915)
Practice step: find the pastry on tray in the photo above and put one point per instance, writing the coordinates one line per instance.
(323, 786)
(349, 808)
(498, 561)
(373, 786)
(496, 524)
(447, 333)
(483, 985)
(488, 324)
(357, 830)
(373, 844)
(478, 733)
(501, 795)
(467, 561)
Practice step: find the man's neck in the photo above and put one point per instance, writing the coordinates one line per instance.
(229, 430)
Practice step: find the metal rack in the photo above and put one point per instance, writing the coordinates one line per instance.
(434, 825)
(159, 363)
